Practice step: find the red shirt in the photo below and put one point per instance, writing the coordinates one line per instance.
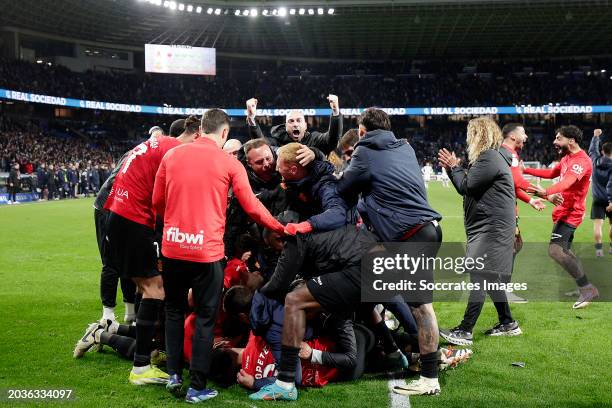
(234, 273)
(190, 192)
(217, 331)
(257, 358)
(520, 184)
(316, 375)
(131, 194)
(258, 361)
(575, 178)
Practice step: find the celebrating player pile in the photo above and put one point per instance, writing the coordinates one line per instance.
(274, 300)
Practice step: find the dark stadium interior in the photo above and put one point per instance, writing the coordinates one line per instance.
(408, 53)
(408, 200)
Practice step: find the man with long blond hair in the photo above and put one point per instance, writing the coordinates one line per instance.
(488, 203)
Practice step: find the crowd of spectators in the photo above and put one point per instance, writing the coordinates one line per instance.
(433, 83)
(55, 166)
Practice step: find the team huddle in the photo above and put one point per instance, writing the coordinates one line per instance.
(243, 263)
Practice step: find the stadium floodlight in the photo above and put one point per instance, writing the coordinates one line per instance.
(275, 12)
(189, 8)
(282, 12)
(173, 5)
(209, 11)
(603, 71)
(310, 12)
(245, 12)
(330, 11)
(217, 11)
(158, 2)
(265, 12)
(39, 61)
(292, 12)
(320, 11)
(198, 9)
(253, 12)
(237, 12)
(181, 6)
(302, 11)
(166, 4)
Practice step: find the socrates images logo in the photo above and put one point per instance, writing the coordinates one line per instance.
(173, 234)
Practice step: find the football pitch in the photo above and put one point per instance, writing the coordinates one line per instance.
(50, 269)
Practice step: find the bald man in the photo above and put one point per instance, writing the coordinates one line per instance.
(295, 128)
(232, 147)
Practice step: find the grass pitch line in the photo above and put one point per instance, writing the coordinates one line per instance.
(397, 400)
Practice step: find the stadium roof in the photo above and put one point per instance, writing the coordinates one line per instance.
(357, 30)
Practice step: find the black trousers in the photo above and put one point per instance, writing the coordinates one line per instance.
(13, 193)
(500, 301)
(425, 242)
(206, 282)
(109, 276)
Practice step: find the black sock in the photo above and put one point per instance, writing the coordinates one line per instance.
(125, 346)
(382, 332)
(582, 282)
(127, 330)
(429, 365)
(145, 330)
(288, 363)
(198, 380)
(599, 246)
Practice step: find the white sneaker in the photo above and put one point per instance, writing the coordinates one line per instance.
(109, 325)
(450, 357)
(599, 253)
(87, 341)
(514, 298)
(587, 295)
(9, 202)
(422, 386)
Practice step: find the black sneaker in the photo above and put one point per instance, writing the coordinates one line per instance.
(457, 336)
(508, 329)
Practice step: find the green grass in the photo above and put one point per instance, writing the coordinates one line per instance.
(49, 269)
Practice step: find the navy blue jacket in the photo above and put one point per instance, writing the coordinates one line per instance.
(602, 173)
(267, 316)
(386, 173)
(316, 198)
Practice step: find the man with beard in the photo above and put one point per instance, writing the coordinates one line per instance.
(259, 159)
(294, 129)
(575, 170)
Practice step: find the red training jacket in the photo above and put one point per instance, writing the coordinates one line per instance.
(190, 193)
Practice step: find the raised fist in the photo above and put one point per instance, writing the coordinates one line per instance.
(251, 105)
(333, 104)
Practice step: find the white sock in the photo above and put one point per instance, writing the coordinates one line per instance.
(285, 385)
(108, 313)
(140, 370)
(130, 314)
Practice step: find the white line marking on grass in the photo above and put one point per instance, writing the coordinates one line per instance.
(397, 400)
(521, 217)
